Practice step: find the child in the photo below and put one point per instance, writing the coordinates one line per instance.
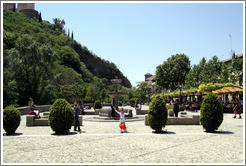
(122, 119)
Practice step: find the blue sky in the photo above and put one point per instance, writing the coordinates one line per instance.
(138, 37)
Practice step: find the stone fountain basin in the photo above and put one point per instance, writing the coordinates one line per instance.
(106, 112)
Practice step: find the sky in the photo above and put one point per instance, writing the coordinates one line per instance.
(137, 37)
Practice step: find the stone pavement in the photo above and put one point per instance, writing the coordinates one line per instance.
(102, 142)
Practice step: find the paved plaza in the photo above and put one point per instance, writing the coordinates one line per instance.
(102, 142)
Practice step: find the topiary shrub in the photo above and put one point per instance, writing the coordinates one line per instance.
(61, 116)
(97, 105)
(211, 113)
(11, 119)
(157, 114)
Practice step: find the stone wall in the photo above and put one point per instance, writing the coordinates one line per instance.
(193, 120)
(27, 109)
(30, 13)
(9, 7)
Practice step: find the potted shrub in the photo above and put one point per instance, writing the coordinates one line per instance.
(97, 105)
(211, 113)
(11, 119)
(61, 116)
(157, 114)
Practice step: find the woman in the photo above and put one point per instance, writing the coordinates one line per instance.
(237, 109)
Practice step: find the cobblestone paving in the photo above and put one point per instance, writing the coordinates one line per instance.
(102, 142)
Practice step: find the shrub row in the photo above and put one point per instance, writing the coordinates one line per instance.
(61, 115)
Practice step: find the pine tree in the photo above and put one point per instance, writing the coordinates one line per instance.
(68, 33)
(72, 35)
(40, 18)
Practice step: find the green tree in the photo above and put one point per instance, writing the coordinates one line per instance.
(40, 18)
(212, 71)
(67, 84)
(59, 24)
(70, 58)
(171, 74)
(32, 64)
(143, 91)
(236, 70)
(103, 94)
(10, 94)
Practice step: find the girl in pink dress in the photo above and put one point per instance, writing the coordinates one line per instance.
(122, 124)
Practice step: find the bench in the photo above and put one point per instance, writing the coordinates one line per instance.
(43, 121)
(194, 120)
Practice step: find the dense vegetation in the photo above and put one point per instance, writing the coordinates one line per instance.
(177, 75)
(42, 62)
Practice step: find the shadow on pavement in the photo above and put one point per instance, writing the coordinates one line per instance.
(164, 132)
(67, 134)
(15, 134)
(222, 132)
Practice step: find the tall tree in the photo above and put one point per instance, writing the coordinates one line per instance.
(40, 18)
(236, 70)
(59, 24)
(32, 64)
(171, 74)
(212, 71)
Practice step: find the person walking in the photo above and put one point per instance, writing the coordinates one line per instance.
(122, 124)
(76, 116)
(176, 107)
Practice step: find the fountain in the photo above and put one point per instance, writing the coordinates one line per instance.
(109, 112)
(106, 113)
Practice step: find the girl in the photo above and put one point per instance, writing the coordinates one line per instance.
(122, 119)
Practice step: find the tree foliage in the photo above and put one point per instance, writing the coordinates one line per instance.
(44, 63)
(236, 70)
(171, 74)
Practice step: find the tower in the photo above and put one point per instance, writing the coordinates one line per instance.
(23, 6)
(9, 7)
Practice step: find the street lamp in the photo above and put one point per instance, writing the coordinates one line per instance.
(180, 93)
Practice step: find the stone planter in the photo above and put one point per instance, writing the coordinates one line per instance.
(97, 111)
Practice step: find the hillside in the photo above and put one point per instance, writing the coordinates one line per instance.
(41, 61)
(96, 65)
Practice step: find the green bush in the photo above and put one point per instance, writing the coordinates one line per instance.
(181, 108)
(61, 116)
(169, 107)
(211, 113)
(11, 119)
(157, 113)
(97, 105)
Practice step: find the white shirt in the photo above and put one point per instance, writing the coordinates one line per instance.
(122, 116)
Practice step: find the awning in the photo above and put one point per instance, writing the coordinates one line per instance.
(228, 89)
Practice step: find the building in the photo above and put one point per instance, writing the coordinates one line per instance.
(26, 8)
(229, 60)
(150, 79)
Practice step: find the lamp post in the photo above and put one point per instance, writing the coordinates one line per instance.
(180, 94)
